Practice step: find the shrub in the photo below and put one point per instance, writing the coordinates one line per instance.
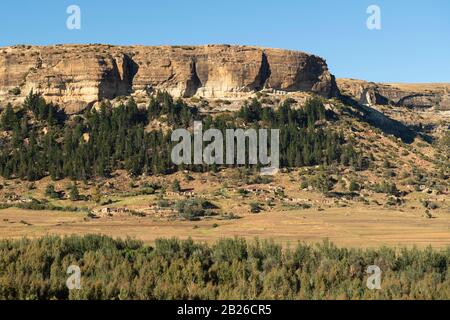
(51, 192)
(15, 91)
(304, 184)
(163, 203)
(323, 182)
(74, 194)
(226, 269)
(147, 191)
(176, 186)
(242, 192)
(255, 207)
(386, 187)
(354, 186)
(194, 209)
(430, 205)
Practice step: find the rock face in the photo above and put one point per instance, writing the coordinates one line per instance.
(75, 76)
(420, 96)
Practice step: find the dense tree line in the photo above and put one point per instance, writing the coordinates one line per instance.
(304, 139)
(227, 269)
(42, 140)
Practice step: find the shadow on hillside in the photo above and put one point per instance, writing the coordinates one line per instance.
(381, 121)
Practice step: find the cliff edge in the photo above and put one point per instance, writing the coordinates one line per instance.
(76, 76)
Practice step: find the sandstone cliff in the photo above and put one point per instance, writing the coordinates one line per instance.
(75, 76)
(420, 96)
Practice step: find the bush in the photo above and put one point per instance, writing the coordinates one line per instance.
(354, 186)
(116, 269)
(430, 205)
(260, 180)
(255, 207)
(323, 182)
(15, 91)
(74, 194)
(147, 191)
(176, 186)
(194, 209)
(242, 192)
(39, 205)
(386, 187)
(51, 192)
(163, 203)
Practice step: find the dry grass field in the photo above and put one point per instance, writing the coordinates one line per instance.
(351, 227)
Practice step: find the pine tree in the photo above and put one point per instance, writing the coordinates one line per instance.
(9, 119)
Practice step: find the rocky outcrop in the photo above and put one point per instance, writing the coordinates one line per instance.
(75, 76)
(420, 96)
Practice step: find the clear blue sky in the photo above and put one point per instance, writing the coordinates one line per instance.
(412, 46)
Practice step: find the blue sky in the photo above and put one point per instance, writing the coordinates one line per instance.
(413, 44)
